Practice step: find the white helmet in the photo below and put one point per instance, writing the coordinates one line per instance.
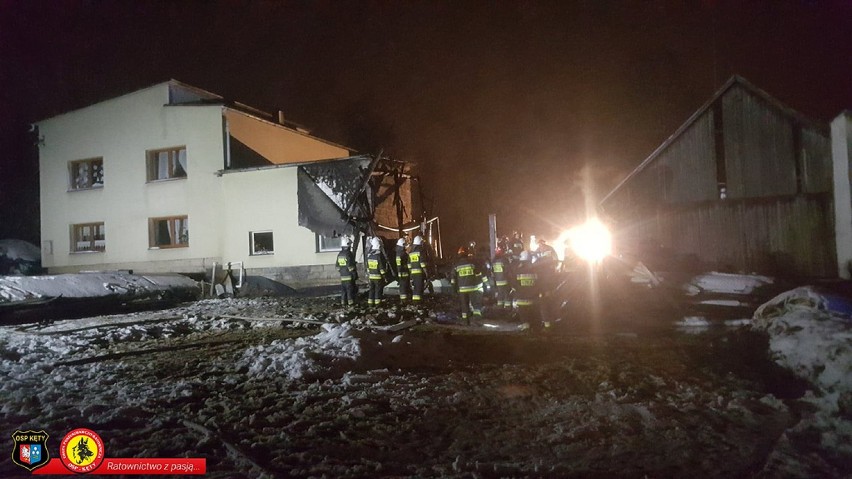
(345, 242)
(375, 243)
(418, 240)
(400, 242)
(524, 256)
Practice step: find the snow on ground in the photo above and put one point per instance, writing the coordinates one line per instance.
(814, 342)
(89, 285)
(287, 397)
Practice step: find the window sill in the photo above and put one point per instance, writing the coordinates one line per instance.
(71, 190)
(166, 180)
(268, 253)
(86, 252)
(169, 246)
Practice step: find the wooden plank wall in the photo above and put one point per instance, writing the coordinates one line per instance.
(790, 236)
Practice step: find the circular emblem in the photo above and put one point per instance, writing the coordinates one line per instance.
(82, 450)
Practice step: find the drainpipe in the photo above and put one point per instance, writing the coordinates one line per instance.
(227, 130)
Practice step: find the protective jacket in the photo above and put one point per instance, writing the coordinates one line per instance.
(401, 262)
(527, 286)
(467, 276)
(546, 255)
(346, 265)
(376, 267)
(500, 269)
(418, 260)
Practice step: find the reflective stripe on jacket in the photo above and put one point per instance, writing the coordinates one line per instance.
(376, 266)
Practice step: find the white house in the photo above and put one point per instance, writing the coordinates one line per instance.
(172, 178)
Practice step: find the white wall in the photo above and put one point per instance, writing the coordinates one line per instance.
(121, 130)
(266, 200)
(841, 152)
(222, 209)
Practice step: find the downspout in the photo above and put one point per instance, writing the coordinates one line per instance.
(227, 132)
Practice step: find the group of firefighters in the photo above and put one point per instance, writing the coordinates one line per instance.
(413, 267)
(522, 280)
(519, 279)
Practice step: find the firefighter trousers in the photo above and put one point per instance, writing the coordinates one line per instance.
(471, 304)
(404, 286)
(418, 280)
(348, 291)
(503, 300)
(377, 287)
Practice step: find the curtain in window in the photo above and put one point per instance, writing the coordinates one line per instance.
(182, 228)
(180, 167)
(162, 165)
(163, 235)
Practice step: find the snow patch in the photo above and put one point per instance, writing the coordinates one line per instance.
(296, 358)
(725, 283)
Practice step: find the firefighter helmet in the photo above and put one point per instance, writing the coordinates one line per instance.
(375, 243)
(524, 256)
(418, 240)
(345, 242)
(400, 242)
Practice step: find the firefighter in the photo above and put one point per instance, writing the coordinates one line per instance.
(418, 264)
(501, 274)
(527, 292)
(402, 274)
(467, 282)
(348, 273)
(546, 264)
(516, 246)
(376, 271)
(545, 255)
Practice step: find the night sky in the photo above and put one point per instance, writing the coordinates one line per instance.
(501, 104)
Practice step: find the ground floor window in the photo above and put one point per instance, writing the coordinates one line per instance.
(88, 237)
(260, 242)
(168, 232)
(328, 243)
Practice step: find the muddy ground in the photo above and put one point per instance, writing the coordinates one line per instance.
(624, 394)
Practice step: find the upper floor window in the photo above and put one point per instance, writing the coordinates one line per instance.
(168, 232)
(88, 237)
(166, 164)
(327, 243)
(86, 174)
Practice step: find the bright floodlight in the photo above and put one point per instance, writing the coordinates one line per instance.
(591, 241)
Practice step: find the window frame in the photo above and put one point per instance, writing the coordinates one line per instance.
(77, 227)
(324, 248)
(252, 243)
(152, 222)
(152, 167)
(72, 169)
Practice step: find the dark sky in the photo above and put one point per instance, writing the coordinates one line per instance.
(501, 104)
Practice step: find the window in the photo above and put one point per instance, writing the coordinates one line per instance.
(327, 243)
(170, 232)
(166, 164)
(88, 237)
(260, 242)
(86, 174)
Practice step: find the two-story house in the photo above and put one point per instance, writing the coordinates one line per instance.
(172, 178)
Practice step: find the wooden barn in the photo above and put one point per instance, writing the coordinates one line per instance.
(745, 185)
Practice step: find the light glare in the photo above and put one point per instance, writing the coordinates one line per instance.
(590, 241)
